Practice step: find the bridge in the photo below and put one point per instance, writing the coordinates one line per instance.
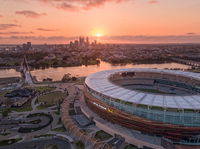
(25, 72)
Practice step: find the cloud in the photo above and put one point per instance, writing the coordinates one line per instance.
(15, 33)
(8, 26)
(153, 1)
(14, 39)
(47, 30)
(15, 20)
(1, 16)
(66, 6)
(74, 5)
(30, 14)
(191, 33)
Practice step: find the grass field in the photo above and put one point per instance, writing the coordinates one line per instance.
(194, 70)
(24, 108)
(52, 98)
(42, 88)
(2, 93)
(4, 134)
(102, 135)
(60, 129)
(4, 81)
(130, 147)
(80, 145)
(9, 142)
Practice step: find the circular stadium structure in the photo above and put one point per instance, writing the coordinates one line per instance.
(164, 103)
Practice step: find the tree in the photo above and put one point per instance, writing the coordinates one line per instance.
(6, 112)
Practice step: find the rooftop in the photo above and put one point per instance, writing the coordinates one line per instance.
(100, 82)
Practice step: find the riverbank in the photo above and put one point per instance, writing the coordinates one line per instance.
(79, 71)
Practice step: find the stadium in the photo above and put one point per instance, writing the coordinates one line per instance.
(161, 103)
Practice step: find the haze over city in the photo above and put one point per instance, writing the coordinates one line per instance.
(109, 21)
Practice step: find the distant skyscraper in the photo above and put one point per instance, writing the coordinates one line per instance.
(81, 41)
(27, 46)
(76, 43)
(87, 41)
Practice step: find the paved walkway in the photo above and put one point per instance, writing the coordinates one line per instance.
(72, 126)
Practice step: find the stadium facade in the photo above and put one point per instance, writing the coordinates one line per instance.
(161, 103)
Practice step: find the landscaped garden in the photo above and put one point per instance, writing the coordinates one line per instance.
(80, 145)
(26, 107)
(9, 141)
(43, 89)
(51, 99)
(38, 126)
(130, 146)
(102, 135)
(60, 129)
(5, 81)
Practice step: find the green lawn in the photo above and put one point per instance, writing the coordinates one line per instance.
(41, 107)
(4, 81)
(52, 146)
(43, 88)
(102, 135)
(9, 141)
(80, 145)
(24, 108)
(4, 134)
(5, 112)
(72, 112)
(130, 147)
(52, 98)
(2, 93)
(194, 70)
(60, 129)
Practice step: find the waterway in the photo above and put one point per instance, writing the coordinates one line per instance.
(80, 71)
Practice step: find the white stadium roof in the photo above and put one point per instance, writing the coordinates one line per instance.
(100, 82)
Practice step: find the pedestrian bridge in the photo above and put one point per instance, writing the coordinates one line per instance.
(25, 72)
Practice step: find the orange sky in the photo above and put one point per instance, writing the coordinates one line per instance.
(52, 21)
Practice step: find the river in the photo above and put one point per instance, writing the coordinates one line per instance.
(57, 73)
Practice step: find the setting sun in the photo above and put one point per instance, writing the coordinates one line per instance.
(98, 34)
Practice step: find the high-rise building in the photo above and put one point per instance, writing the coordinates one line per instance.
(87, 41)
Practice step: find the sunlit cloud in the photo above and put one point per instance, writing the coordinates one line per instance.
(74, 5)
(153, 1)
(47, 30)
(191, 33)
(31, 14)
(8, 26)
(15, 33)
(15, 20)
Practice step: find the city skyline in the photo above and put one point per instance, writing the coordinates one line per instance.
(109, 21)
